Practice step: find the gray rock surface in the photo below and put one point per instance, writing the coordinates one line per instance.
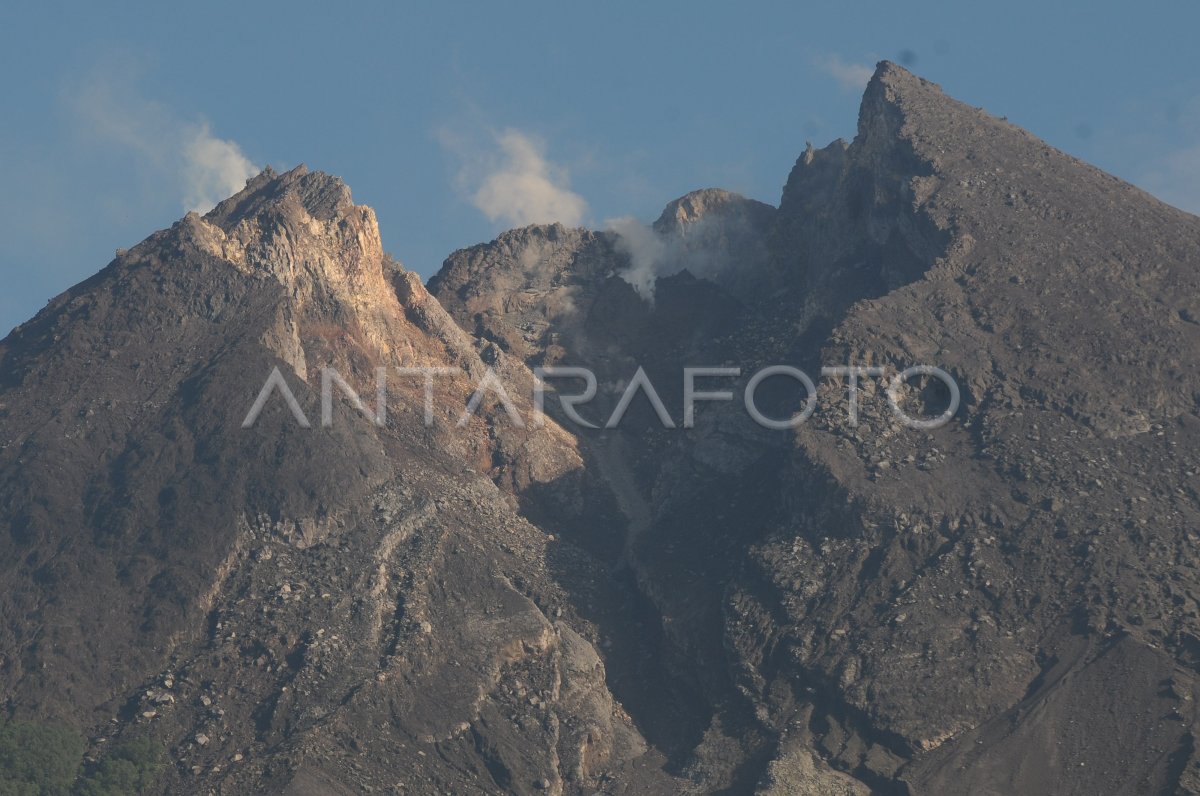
(1007, 604)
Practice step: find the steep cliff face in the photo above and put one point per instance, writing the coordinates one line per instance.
(962, 590)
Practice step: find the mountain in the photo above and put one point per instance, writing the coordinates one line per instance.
(1006, 603)
(258, 594)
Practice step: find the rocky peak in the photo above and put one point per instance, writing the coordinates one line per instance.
(303, 229)
(511, 290)
(321, 195)
(716, 235)
(892, 87)
(709, 203)
(853, 218)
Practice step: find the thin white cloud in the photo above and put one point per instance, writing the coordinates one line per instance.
(512, 182)
(848, 76)
(1175, 178)
(200, 168)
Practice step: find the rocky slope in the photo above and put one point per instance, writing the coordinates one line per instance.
(1006, 604)
(262, 600)
(949, 611)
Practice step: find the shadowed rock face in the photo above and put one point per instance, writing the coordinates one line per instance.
(1006, 604)
(941, 584)
(894, 601)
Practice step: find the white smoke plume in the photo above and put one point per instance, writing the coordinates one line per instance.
(647, 252)
(848, 76)
(713, 247)
(199, 167)
(213, 169)
(514, 183)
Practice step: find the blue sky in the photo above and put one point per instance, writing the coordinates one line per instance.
(117, 119)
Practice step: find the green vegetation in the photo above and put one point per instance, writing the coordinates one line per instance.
(131, 767)
(39, 760)
(36, 760)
